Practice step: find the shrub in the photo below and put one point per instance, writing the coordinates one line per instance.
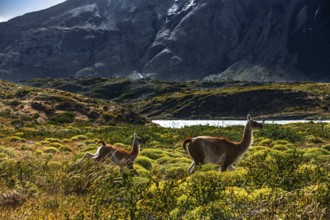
(326, 147)
(279, 132)
(315, 152)
(152, 153)
(52, 140)
(6, 150)
(26, 148)
(265, 142)
(12, 198)
(174, 172)
(51, 150)
(39, 152)
(14, 103)
(280, 142)
(275, 170)
(65, 149)
(258, 148)
(21, 93)
(204, 187)
(52, 204)
(81, 145)
(89, 148)
(38, 106)
(213, 210)
(65, 140)
(67, 117)
(16, 139)
(55, 144)
(78, 138)
(145, 162)
(280, 147)
(88, 142)
(314, 140)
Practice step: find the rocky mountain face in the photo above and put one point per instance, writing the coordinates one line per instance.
(256, 40)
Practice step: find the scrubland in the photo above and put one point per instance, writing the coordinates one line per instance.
(44, 132)
(284, 175)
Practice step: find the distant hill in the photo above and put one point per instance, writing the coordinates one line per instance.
(204, 99)
(24, 104)
(254, 40)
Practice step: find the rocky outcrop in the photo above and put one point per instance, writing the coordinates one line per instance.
(171, 39)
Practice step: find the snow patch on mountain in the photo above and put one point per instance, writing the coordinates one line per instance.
(83, 9)
(180, 6)
(173, 10)
(190, 4)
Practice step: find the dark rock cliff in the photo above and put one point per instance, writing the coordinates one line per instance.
(257, 40)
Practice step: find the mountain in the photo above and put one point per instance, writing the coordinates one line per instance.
(255, 40)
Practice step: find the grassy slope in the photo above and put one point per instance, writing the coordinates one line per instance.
(275, 100)
(33, 105)
(208, 100)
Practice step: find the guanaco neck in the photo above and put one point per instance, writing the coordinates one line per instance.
(246, 141)
(136, 148)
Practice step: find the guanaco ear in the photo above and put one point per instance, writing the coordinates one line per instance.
(249, 117)
(102, 142)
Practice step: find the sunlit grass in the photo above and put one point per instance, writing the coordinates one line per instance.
(285, 174)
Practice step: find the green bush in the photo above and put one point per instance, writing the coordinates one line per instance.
(16, 139)
(279, 132)
(280, 147)
(173, 172)
(53, 140)
(5, 150)
(55, 144)
(65, 149)
(78, 138)
(280, 142)
(315, 152)
(314, 140)
(145, 162)
(67, 117)
(265, 142)
(51, 150)
(326, 147)
(153, 154)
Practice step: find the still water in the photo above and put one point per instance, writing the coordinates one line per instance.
(222, 123)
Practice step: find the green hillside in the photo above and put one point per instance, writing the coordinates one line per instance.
(24, 104)
(204, 99)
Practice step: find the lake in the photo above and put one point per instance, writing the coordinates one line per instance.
(223, 123)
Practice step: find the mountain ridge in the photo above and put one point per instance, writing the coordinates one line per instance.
(172, 40)
(203, 99)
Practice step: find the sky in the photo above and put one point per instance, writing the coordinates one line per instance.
(13, 8)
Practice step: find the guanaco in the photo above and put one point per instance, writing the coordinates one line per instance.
(218, 150)
(118, 155)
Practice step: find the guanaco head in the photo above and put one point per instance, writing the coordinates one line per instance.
(102, 142)
(253, 123)
(138, 139)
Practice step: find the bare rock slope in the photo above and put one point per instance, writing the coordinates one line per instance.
(171, 39)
